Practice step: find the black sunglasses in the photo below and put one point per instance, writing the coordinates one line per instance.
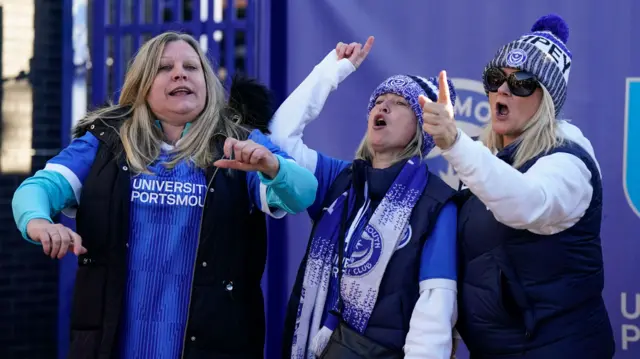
(521, 83)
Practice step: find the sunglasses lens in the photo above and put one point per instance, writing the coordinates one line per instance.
(493, 79)
(522, 83)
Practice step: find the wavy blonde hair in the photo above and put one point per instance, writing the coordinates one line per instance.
(413, 148)
(141, 138)
(539, 135)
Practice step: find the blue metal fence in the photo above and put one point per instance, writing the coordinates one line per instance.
(119, 27)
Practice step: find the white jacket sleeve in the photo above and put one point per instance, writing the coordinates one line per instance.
(304, 104)
(548, 198)
(431, 326)
(435, 313)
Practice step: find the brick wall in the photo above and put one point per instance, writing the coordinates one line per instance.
(28, 279)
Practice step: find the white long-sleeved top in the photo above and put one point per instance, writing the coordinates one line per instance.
(550, 197)
(435, 313)
(291, 118)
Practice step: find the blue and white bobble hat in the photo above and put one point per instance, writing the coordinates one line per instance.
(542, 52)
(411, 87)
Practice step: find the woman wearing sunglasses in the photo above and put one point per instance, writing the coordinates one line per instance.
(531, 272)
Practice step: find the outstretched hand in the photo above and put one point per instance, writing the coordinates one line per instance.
(248, 156)
(438, 116)
(354, 51)
(56, 239)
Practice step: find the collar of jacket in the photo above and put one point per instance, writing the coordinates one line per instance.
(508, 153)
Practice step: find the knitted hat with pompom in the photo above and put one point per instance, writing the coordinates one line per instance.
(543, 53)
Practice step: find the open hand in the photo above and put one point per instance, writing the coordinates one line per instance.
(56, 239)
(354, 51)
(248, 156)
(438, 116)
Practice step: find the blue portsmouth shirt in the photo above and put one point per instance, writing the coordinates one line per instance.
(165, 213)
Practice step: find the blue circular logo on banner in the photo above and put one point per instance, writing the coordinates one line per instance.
(472, 112)
(366, 254)
(516, 57)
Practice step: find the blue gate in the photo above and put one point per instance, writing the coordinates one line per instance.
(225, 29)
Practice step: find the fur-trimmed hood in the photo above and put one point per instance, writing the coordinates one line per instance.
(252, 101)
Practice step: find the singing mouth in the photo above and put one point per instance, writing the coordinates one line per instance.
(502, 109)
(182, 90)
(379, 121)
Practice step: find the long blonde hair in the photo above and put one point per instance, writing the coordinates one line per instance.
(414, 148)
(539, 135)
(141, 138)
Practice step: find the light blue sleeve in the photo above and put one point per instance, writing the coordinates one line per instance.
(291, 191)
(438, 264)
(57, 187)
(42, 196)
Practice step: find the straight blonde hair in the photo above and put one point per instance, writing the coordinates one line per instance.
(414, 148)
(540, 134)
(141, 138)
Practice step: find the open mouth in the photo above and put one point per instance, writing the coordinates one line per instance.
(379, 122)
(502, 110)
(180, 91)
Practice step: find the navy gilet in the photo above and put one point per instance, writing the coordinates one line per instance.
(521, 293)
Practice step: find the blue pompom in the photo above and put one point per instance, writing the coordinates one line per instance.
(553, 23)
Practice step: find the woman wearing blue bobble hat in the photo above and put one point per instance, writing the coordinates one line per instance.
(531, 268)
(388, 222)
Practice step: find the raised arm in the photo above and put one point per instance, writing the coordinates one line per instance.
(548, 198)
(305, 103)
